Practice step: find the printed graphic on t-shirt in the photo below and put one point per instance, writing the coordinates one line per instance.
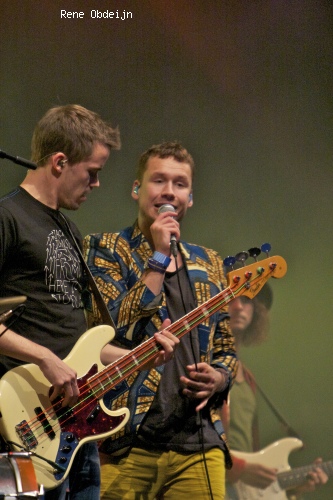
(62, 270)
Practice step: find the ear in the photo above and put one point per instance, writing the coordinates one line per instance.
(135, 190)
(59, 160)
(190, 200)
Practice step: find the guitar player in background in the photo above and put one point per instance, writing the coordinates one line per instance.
(39, 259)
(145, 279)
(249, 321)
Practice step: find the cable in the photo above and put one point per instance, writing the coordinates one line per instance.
(201, 438)
(19, 310)
(56, 466)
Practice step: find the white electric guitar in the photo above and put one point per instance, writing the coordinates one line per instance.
(276, 456)
(53, 435)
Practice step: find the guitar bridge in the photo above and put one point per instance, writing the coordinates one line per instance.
(26, 435)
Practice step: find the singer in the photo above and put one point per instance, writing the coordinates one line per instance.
(173, 444)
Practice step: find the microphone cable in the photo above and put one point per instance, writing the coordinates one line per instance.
(201, 437)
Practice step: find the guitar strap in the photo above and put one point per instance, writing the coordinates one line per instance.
(287, 427)
(106, 317)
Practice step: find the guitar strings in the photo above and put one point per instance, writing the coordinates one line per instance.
(105, 380)
(125, 366)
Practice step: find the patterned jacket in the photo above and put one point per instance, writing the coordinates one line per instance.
(117, 262)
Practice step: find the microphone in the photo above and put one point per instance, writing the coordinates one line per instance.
(18, 160)
(173, 242)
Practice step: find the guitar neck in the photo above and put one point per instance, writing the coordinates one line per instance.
(296, 477)
(247, 281)
(116, 372)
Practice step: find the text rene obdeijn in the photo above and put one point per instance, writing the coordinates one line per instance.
(96, 14)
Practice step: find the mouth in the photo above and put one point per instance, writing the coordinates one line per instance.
(83, 198)
(238, 319)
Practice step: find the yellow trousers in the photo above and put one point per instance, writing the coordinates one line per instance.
(149, 475)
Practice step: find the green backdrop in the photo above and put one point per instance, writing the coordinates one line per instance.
(247, 87)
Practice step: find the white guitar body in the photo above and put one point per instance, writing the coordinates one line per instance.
(25, 388)
(28, 418)
(276, 456)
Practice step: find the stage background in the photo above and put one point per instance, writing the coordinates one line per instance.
(247, 87)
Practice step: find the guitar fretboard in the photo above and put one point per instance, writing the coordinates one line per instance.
(297, 476)
(126, 365)
(247, 281)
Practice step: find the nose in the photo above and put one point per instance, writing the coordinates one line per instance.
(236, 304)
(168, 191)
(94, 181)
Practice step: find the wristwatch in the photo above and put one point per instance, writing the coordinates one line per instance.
(158, 262)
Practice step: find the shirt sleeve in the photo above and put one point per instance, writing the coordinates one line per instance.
(117, 271)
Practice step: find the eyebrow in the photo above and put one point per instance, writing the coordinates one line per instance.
(178, 177)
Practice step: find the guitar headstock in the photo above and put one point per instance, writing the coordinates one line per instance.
(249, 280)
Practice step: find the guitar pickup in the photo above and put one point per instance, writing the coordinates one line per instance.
(45, 423)
(26, 435)
(65, 414)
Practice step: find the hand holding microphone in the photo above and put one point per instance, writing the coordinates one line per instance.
(167, 207)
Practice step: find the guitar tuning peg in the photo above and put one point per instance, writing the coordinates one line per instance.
(229, 261)
(254, 252)
(266, 248)
(241, 257)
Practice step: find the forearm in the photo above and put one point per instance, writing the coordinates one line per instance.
(235, 473)
(153, 280)
(18, 347)
(111, 353)
(61, 376)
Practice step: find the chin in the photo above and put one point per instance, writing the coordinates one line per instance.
(72, 206)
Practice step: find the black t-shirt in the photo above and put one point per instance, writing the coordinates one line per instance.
(172, 423)
(38, 259)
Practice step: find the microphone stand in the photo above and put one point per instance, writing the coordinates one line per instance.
(18, 160)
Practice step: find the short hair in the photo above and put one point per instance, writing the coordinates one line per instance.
(72, 130)
(170, 149)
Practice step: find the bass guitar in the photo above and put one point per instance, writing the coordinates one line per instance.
(275, 456)
(53, 435)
